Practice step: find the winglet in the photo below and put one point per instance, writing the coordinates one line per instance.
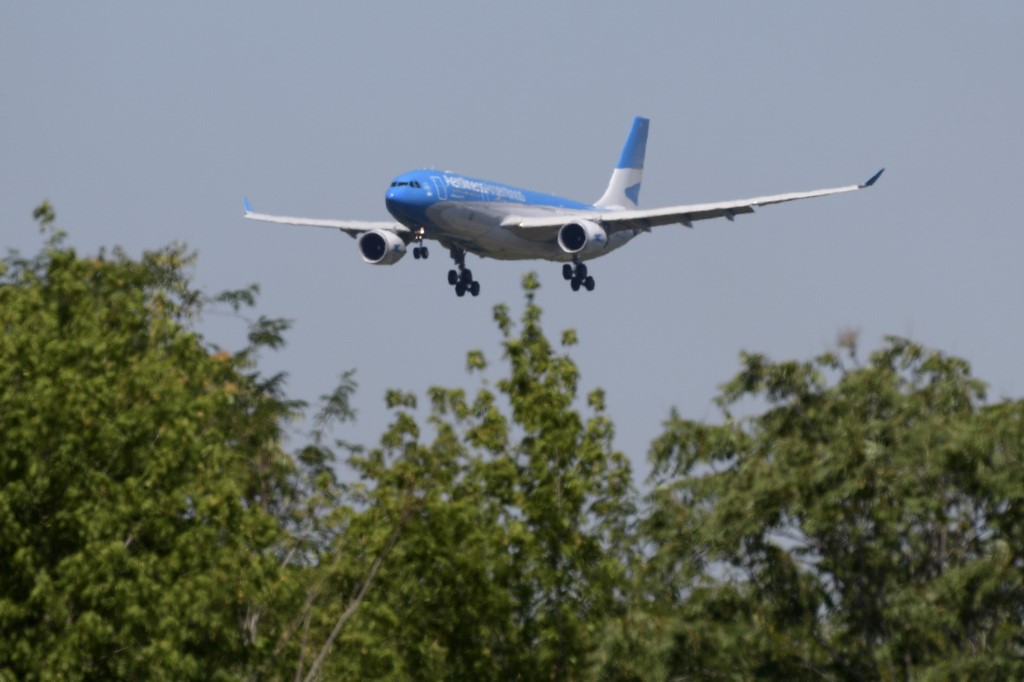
(248, 206)
(873, 178)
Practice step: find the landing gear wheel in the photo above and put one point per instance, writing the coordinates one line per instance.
(424, 253)
(576, 273)
(416, 252)
(462, 277)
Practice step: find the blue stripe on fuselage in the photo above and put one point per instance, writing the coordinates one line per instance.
(412, 193)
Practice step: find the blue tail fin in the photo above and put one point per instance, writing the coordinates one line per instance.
(624, 187)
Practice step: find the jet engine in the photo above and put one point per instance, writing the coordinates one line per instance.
(582, 237)
(378, 247)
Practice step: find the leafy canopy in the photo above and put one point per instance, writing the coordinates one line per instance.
(137, 530)
(867, 525)
(864, 523)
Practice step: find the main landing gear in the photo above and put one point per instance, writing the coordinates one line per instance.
(463, 279)
(576, 273)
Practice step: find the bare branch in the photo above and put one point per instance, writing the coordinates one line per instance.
(360, 595)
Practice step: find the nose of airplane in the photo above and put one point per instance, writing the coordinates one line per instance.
(394, 199)
(405, 202)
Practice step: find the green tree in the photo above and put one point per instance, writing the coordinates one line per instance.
(142, 485)
(512, 512)
(572, 500)
(152, 526)
(869, 524)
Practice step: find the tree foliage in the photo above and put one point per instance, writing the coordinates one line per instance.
(153, 526)
(867, 525)
(513, 527)
(137, 538)
(863, 522)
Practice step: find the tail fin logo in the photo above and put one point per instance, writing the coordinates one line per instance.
(633, 192)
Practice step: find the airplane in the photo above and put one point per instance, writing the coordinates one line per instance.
(494, 220)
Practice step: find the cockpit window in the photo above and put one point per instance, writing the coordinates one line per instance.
(415, 184)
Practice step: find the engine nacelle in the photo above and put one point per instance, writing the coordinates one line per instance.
(378, 247)
(582, 237)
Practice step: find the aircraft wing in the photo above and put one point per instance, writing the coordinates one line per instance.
(644, 219)
(351, 227)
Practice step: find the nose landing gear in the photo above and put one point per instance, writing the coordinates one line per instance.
(420, 251)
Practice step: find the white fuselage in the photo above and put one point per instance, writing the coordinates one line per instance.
(475, 216)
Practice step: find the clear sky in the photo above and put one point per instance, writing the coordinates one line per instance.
(146, 123)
